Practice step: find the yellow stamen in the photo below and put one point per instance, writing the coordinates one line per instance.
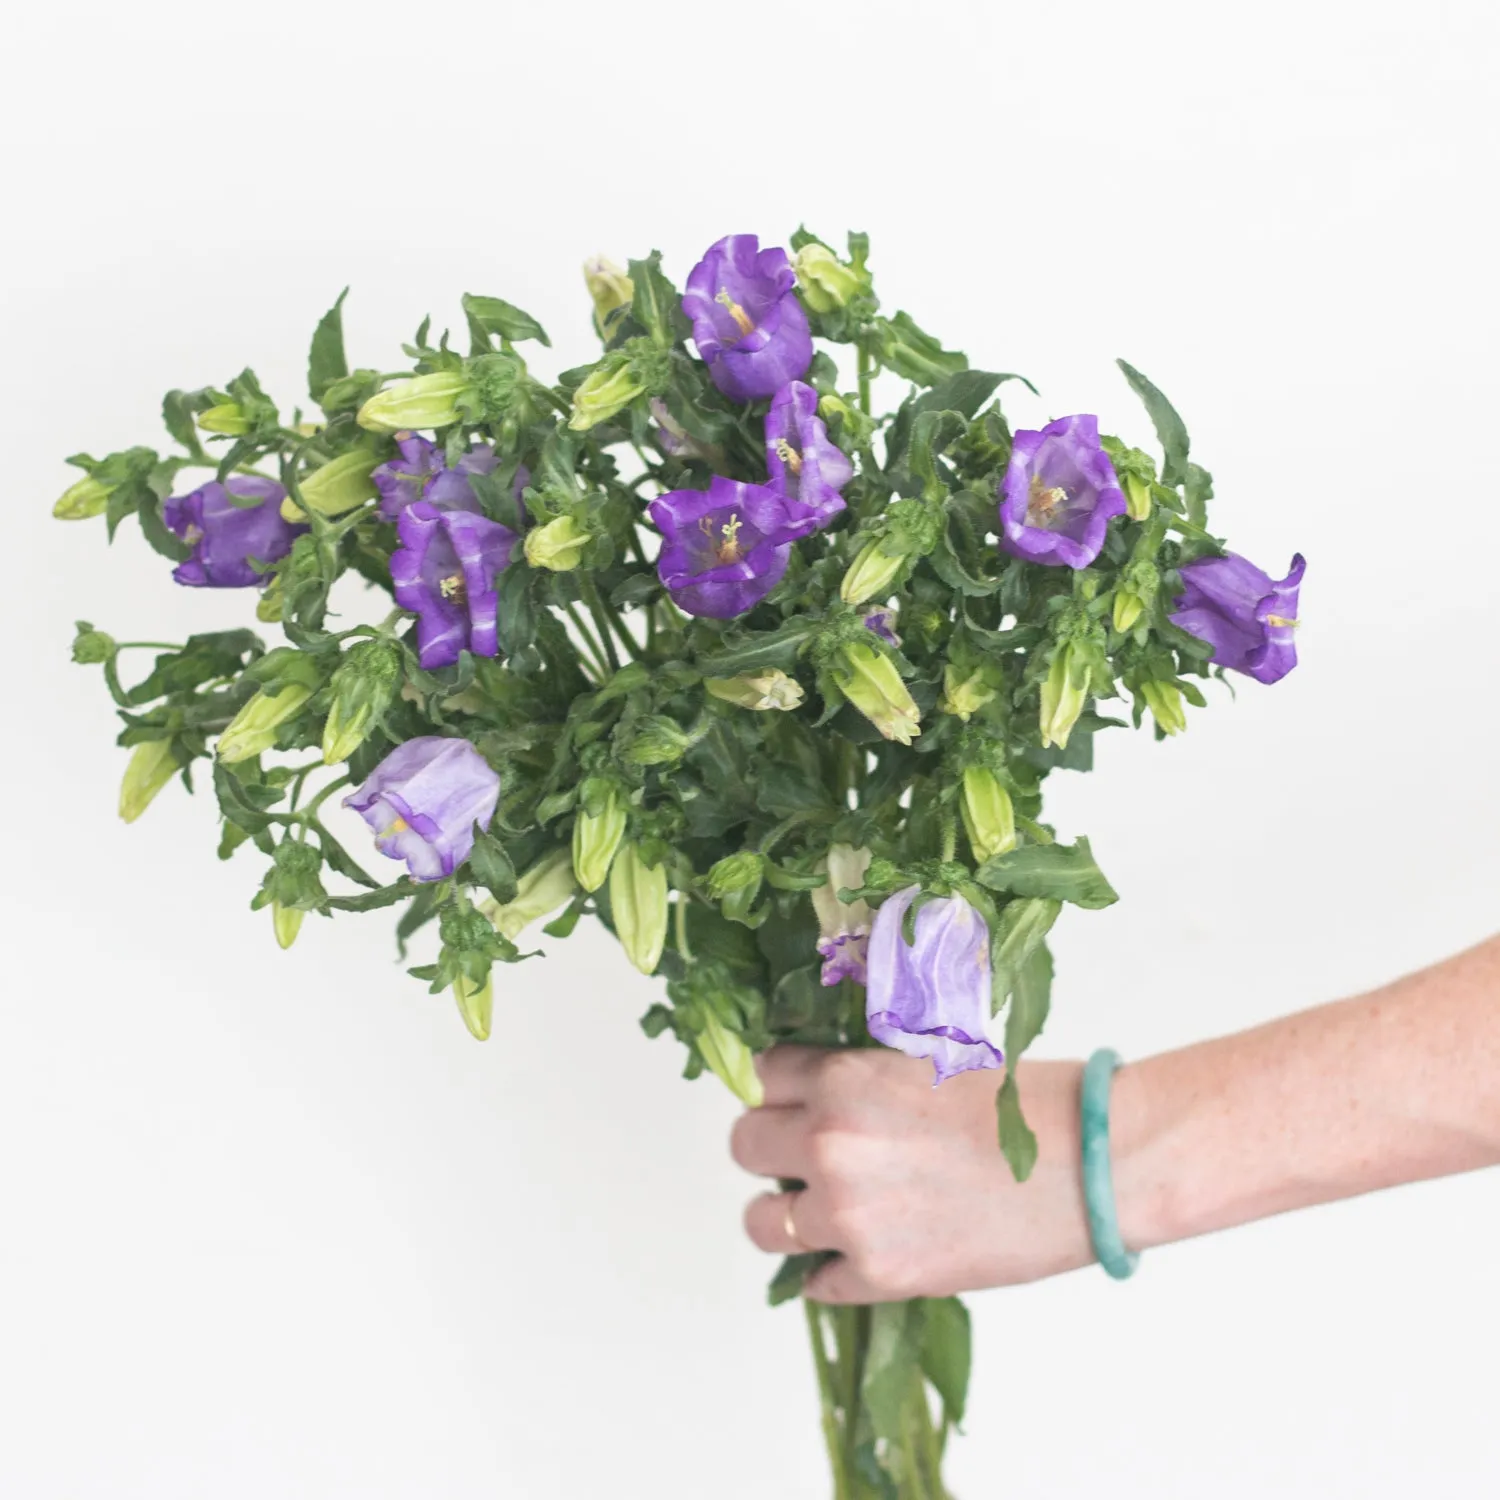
(400, 825)
(789, 455)
(728, 550)
(735, 311)
(452, 587)
(1281, 622)
(1041, 501)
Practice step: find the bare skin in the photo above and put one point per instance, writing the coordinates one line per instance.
(907, 1183)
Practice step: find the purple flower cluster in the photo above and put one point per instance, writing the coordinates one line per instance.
(233, 545)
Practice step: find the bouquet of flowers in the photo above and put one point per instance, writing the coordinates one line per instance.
(697, 642)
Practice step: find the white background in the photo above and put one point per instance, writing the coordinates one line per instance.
(272, 1224)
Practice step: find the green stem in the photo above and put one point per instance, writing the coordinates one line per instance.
(311, 810)
(595, 655)
(826, 1398)
(147, 645)
(864, 381)
(596, 608)
(679, 925)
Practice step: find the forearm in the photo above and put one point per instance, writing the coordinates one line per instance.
(1391, 1087)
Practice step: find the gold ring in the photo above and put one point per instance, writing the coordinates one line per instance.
(789, 1224)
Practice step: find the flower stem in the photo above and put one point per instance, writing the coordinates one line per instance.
(596, 608)
(864, 380)
(826, 1398)
(310, 812)
(147, 645)
(595, 655)
(679, 926)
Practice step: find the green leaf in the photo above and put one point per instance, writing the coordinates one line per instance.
(516, 610)
(489, 315)
(1061, 872)
(776, 648)
(325, 359)
(793, 1274)
(177, 409)
(491, 867)
(903, 347)
(1030, 999)
(1019, 933)
(657, 304)
(1198, 487)
(421, 910)
(338, 858)
(1016, 1139)
(385, 895)
(947, 1353)
(1171, 433)
(154, 529)
(892, 1359)
(244, 804)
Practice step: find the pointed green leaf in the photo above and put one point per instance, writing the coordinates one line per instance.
(325, 358)
(489, 315)
(1016, 1139)
(1171, 432)
(1060, 872)
(947, 1352)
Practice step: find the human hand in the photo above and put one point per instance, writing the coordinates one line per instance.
(906, 1181)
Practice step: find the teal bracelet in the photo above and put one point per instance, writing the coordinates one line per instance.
(1098, 1181)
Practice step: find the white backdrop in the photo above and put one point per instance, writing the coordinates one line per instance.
(272, 1224)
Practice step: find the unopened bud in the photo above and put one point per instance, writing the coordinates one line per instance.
(476, 1004)
(1128, 608)
(1063, 695)
(963, 695)
(639, 369)
(638, 905)
(1137, 498)
(736, 872)
(364, 687)
(611, 290)
(286, 921)
(872, 684)
(252, 731)
(228, 418)
(152, 766)
(596, 837)
(989, 818)
(547, 885)
(557, 546)
(342, 484)
(825, 282)
(424, 401)
(761, 691)
(1165, 702)
(871, 573)
(80, 501)
(731, 1061)
(91, 647)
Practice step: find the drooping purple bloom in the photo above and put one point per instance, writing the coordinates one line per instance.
(804, 463)
(844, 929)
(228, 540)
(421, 472)
(423, 801)
(1248, 619)
(725, 548)
(1059, 494)
(882, 622)
(444, 572)
(932, 998)
(749, 327)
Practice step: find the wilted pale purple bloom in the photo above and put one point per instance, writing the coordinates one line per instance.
(725, 548)
(1059, 494)
(1249, 620)
(844, 929)
(444, 572)
(749, 327)
(932, 998)
(423, 801)
(228, 539)
(804, 463)
(420, 472)
(883, 622)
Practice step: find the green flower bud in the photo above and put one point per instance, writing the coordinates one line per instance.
(871, 573)
(80, 501)
(547, 885)
(639, 369)
(268, 606)
(342, 484)
(596, 837)
(659, 741)
(730, 1060)
(1128, 608)
(476, 1004)
(872, 684)
(963, 696)
(1063, 696)
(825, 282)
(611, 290)
(1165, 702)
(736, 872)
(1137, 498)
(771, 689)
(286, 921)
(90, 646)
(293, 881)
(989, 818)
(638, 904)
(558, 545)
(364, 687)
(152, 766)
(424, 401)
(228, 418)
(252, 731)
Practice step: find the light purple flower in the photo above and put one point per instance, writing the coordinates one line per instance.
(804, 463)
(882, 622)
(420, 472)
(726, 547)
(229, 539)
(932, 998)
(445, 574)
(749, 327)
(1059, 494)
(845, 929)
(423, 801)
(1248, 619)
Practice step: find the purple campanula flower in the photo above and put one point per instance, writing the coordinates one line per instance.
(931, 998)
(726, 547)
(423, 801)
(882, 622)
(1247, 618)
(444, 572)
(1059, 494)
(804, 463)
(229, 539)
(749, 327)
(844, 930)
(420, 472)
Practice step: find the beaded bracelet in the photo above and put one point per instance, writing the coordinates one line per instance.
(1098, 1181)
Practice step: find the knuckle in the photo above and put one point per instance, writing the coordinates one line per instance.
(741, 1141)
(844, 1074)
(834, 1151)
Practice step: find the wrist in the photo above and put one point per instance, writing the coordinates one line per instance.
(1148, 1177)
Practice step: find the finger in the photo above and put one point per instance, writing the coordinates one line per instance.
(772, 1142)
(773, 1229)
(789, 1073)
(839, 1284)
